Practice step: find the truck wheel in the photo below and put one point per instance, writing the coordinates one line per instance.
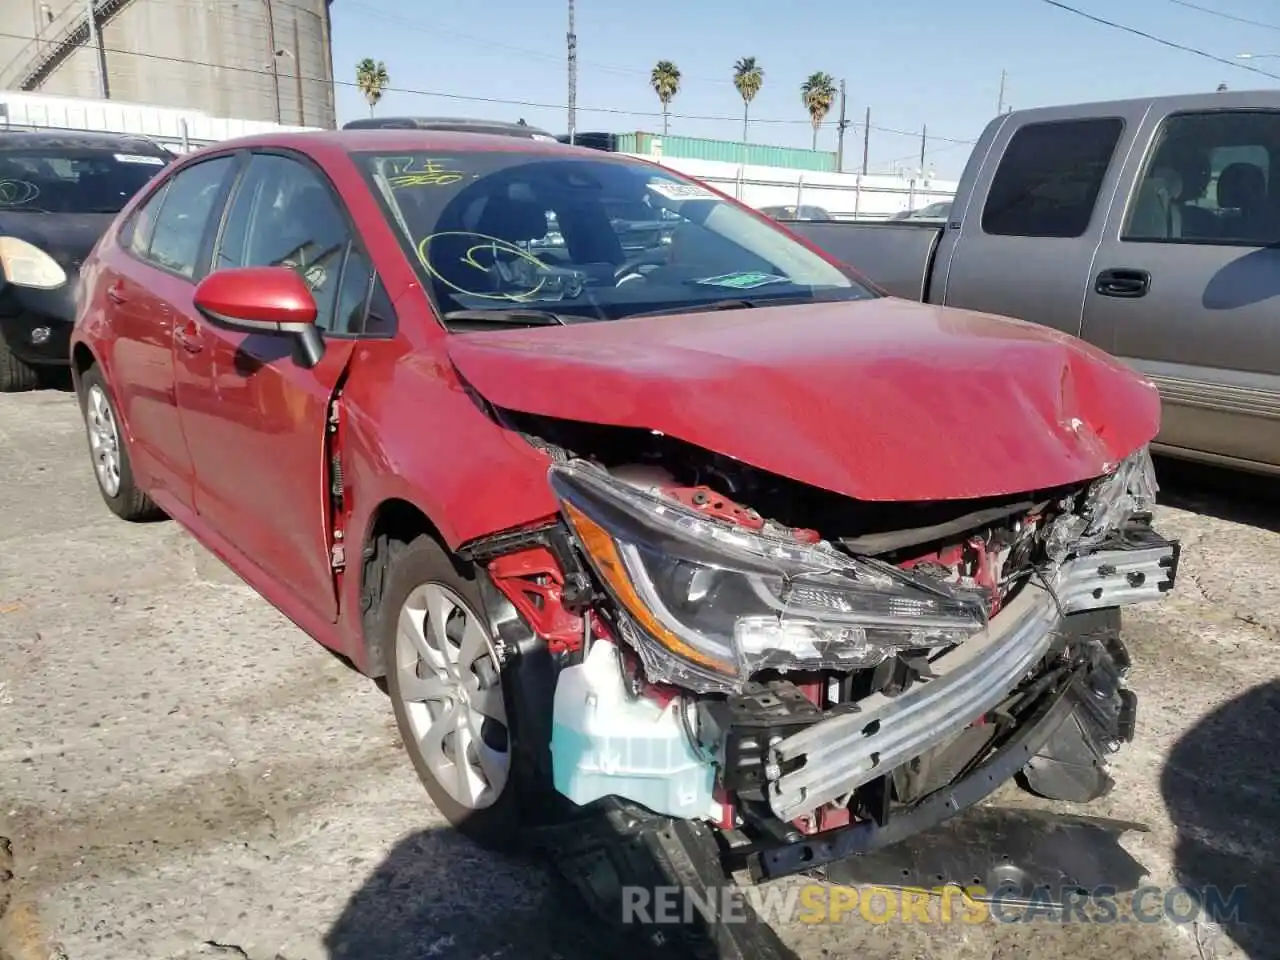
(110, 456)
(446, 690)
(15, 375)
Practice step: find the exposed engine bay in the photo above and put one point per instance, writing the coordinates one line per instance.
(737, 647)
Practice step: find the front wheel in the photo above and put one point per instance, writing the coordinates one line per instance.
(111, 466)
(16, 376)
(444, 679)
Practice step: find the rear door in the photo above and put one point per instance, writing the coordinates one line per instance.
(255, 420)
(142, 285)
(1186, 286)
(1024, 244)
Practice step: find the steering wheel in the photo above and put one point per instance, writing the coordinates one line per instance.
(631, 266)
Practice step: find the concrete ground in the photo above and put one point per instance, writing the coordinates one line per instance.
(184, 774)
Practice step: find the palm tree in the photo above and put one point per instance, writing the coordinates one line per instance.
(748, 78)
(372, 79)
(819, 92)
(665, 81)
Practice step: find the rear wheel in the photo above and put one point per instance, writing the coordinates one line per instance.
(444, 679)
(16, 376)
(111, 467)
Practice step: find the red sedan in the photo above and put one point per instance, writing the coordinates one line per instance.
(711, 526)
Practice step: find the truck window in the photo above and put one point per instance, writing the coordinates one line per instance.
(1048, 180)
(1209, 179)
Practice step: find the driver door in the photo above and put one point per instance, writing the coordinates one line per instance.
(255, 420)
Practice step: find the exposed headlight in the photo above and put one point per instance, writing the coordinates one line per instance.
(1110, 501)
(26, 265)
(707, 604)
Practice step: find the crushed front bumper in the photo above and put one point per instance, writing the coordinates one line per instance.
(827, 761)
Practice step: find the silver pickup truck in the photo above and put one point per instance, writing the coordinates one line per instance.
(1146, 227)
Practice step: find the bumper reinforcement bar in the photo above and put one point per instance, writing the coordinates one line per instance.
(829, 760)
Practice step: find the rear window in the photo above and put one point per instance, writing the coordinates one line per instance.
(1049, 178)
(63, 180)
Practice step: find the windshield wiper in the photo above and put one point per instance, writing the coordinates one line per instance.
(512, 317)
(736, 304)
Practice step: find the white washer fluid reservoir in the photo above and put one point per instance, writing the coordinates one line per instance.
(603, 743)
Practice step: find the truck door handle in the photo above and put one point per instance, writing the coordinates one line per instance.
(188, 338)
(115, 293)
(1123, 282)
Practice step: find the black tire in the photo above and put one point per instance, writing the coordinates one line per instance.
(411, 566)
(16, 376)
(128, 502)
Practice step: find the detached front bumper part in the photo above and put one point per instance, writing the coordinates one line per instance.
(826, 762)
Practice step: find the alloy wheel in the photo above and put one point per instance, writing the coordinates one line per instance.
(104, 440)
(448, 681)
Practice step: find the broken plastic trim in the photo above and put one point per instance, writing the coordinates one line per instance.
(1109, 502)
(707, 603)
(842, 753)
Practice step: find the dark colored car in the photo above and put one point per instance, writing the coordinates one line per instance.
(58, 192)
(802, 212)
(716, 530)
(450, 125)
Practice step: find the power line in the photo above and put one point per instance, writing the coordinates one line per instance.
(1160, 40)
(1226, 16)
(470, 98)
(431, 28)
(400, 20)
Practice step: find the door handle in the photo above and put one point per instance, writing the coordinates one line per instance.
(188, 338)
(1123, 282)
(115, 293)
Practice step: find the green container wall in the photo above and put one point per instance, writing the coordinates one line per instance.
(728, 151)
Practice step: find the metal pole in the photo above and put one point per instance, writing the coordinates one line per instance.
(271, 40)
(840, 136)
(1000, 105)
(572, 39)
(297, 70)
(924, 137)
(866, 141)
(95, 38)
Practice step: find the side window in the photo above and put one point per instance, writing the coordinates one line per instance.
(184, 215)
(144, 222)
(1048, 180)
(1209, 178)
(284, 215)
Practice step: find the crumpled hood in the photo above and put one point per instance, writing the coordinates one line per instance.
(877, 399)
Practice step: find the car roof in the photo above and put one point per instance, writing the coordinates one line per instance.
(454, 124)
(78, 140)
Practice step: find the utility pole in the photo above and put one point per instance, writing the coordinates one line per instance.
(572, 39)
(1000, 103)
(840, 132)
(275, 70)
(866, 141)
(924, 139)
(95, 38)
(297, 71)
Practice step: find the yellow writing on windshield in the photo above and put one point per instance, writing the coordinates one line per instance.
(421, 172)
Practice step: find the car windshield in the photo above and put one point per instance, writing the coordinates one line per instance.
(60, 180)
(587, 239)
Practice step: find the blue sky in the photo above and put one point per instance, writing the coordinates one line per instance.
(930, 62)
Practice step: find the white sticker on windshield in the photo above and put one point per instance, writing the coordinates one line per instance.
(140, 158)
(680, 191)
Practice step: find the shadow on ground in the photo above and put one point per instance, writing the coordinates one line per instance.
(1221, 785)
(1231, 495)
(437, 895)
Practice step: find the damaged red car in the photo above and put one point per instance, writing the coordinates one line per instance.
(703, 523)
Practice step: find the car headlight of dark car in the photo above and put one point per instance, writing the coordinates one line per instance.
(26, 265)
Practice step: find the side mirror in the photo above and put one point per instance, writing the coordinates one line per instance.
(274, 301)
